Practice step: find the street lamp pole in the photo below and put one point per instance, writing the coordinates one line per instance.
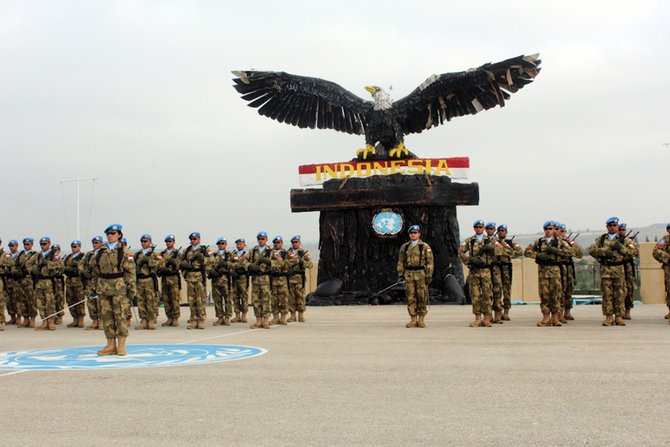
(78, 181)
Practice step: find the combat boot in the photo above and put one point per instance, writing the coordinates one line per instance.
(258, 324)
(51, 324)
(545, 321)
(218, 322)
(44, 326)
(17, 320)
(93, 325)
(244, 317)
(266, 323)
(282, 319)
(486, 322)
(301, 317)
(626, 315)
(555, 320)
(292, 318)
(121, 348)
(667, 316)
(421, 323)
(193, 324)
(142, 325)
(74, 322)
(2, 327)
(498, 318)
(226, 321)
(201, 324)
(167, 323)
(275, 319)
(505, 315)
(412, 321)
(80, 321)
(12, 319)
(25, 322)
(609, 321)
(151, 325)
(567, 315)
(619, 321)
(109, 349)
(174, 322)
(237, 318)
(477, 321)
(31, 322)
(59, 320)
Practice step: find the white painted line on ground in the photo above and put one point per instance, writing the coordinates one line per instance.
(217, 336)
(14, 372)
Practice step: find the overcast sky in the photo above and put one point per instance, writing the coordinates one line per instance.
(139, 95)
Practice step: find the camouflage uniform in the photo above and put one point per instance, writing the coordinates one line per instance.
(237, 264)
(11, 290)
(26, 307)
(415, 265)
(259, 268)
(662, 254)
(510, 250)
(193, 267)
(221, 282)
(572, 250)
(6, 262)
(146, 267)
(170, 286)
(279, 285)
(629, 270)
(47, 267)
(479, 264)
(548, 253)
(610, 253)
(115, 282)
(60, 296)
(88, 274)
(74, 287)
(299, 261)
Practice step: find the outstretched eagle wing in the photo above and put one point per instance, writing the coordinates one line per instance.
(442, 97)
(303, 101)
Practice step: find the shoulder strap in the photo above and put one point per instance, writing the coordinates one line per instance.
(601, 242)
(119, 257)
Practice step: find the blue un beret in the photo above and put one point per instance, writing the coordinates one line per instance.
(56, 246)
(221, 239)
(240, 239)
(96, 239)
(113, 227)
(562, 226)
(76, 242)
(261, 234)
(278, 239)
(622, 226)
(169, 237)
(146, 236)
(45, 239)
(612, 220)
(478, 222)
(414, 228)
(194, 234)
(490, 225)
(502, 227)
(28, 239)
(549, 223)
(295, 238)
(13, 242)
(124, 240)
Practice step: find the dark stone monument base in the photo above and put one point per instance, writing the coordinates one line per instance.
(366, 263)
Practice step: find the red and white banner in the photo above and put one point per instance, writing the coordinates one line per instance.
(454, 167)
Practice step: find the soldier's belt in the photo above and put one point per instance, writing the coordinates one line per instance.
(549, 264)
(260, 273)
(165, 275)
(111, 275)
(415, 267)
(611, 264)
(47, 277)
(474, 268)
(72, 275)
(143, 276)
(277, 274)
(296, 273)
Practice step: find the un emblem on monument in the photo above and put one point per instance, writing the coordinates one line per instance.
(387, 223)
(139, 356)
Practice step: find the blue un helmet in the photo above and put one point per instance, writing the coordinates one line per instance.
(490, 225)
(612, 221)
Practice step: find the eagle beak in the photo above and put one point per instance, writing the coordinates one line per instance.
(372, 90)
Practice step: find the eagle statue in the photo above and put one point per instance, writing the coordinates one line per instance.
(313, 102)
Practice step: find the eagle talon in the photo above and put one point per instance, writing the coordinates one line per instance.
(399, 151)
(369, 149)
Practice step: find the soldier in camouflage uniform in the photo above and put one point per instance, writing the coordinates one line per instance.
(279, 281)
(6, 261)
(415, 267)
(629, 268)
(74, 290)
(218, 272)
(116, 288)
(298, 262)
(60, 288)
(170, 282)
(478, 252)
(662, 254)
(510, 250)
(12, 288)
(193, 266)
(572, 250)
(147, 263)
(610, 250)
(23, 266)
(87, 273)
(496, 275)
(259, 269)
(548, 252)
(45, 269)
(237, 265)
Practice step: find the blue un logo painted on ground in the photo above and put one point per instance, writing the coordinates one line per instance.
(139, 356)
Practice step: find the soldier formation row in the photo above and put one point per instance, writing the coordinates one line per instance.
(488, 255)
(112, 277)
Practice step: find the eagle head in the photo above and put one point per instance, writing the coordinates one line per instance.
(381, 98)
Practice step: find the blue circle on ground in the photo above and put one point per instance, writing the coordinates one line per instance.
(139, 356)
(387, 223)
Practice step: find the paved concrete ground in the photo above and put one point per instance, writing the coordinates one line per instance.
(357, 376)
